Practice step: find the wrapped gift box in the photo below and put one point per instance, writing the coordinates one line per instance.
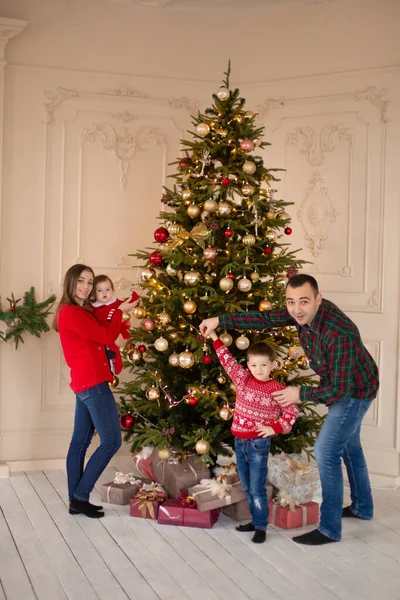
(146, 503)
(284, 517)
(143, 463)
(121, 490)
(171, 512)
(177, 475)
(294, 476)
(239, 511)
(212, 494)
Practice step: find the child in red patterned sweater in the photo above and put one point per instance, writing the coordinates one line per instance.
(257, 417)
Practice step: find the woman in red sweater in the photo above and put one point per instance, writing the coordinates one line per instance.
(83, 341)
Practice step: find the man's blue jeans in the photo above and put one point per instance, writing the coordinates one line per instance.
(340, 438)
(95, 410)
(252, 463)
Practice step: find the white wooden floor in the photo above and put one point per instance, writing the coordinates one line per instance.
(46, 554)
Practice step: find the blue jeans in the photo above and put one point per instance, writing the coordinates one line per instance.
(252, 463)
(95, 410)
(340, 438)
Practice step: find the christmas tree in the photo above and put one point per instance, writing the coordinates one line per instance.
(222, 247)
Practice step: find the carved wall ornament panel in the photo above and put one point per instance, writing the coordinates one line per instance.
(376, 98)
(122, 284)
(55, 101)
(123, 144)
(316, 214)
(125, 116)
(307, 140)
(124, 90)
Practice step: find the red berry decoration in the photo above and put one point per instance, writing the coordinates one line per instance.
(228, 233)
(192, 400)
(127, 421)
(231, 276)
(225, 181)
(156, 259)
(288, 230)
(142, 348)
(267, 250)
(161, 235)
(207, 359)
(12, 308)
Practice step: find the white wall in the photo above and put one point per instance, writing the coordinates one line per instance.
(325, 80)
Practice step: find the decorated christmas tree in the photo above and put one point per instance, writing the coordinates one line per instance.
(222, 247)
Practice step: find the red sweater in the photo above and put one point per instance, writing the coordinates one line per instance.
(255, 405)
(83, 342)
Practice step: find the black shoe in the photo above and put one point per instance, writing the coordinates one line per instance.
(247, 527)
(313, 538)
(347, 512)
(259, 537)
(78, 506)
(94, 506)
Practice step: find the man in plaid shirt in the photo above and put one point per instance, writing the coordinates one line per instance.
(349, 381)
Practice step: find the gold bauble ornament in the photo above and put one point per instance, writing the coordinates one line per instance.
(190, 307)
(173, 335)
(232, 387)
(191, 278)
(193, 211)
(134, 356)
(173, 228)
(186, 194)
(280, 282)
(242, 342)
(202, 447)
(283, 215)
(223, 209)
(139, 312)
(126, 316)
(164, 454)
(222, 132)
(295, 352)
(226, 284)
(186, 359)
(223, 93)
(270, 236)
(244, 284)
(248, 190)
(221, 379)
(249, 167)
(225, 413)
(210, 205)
(226, 338)
(152, 393)
(164, 318)
(303, 363)
(249, 239)
(255, 276)
(114, 383)
(147, 274)
(265, 305)
(161, 344)
(271, 215)
(202, 129)
(171, 271)
(173, 360)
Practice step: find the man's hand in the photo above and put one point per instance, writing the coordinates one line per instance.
(290, 395)
(208, 325)
(265, 431)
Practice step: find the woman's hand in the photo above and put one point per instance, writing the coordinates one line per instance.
(127, 306)
(265, 431)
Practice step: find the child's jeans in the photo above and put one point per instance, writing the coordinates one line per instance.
(252, 463)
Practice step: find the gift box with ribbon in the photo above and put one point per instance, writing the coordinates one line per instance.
(146, 502)
(183, 512)
(143, 463)
(294, 476)
(180, 472)
(211, 493)
(292, 516)
(239, 511)
(121, 490)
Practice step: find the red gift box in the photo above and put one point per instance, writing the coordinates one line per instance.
(146, 504)
(282, 516)
(171, 512)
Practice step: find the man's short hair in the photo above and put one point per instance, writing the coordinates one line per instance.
(302, 278)
(260, 349)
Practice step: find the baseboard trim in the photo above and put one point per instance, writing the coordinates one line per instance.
(120, 462)
(4, 470)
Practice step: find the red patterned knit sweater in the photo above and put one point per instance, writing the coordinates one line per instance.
(255, 404)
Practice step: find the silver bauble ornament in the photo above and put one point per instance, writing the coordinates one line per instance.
(191, 278)
(280, 282)
(248, 190)
(210, 253)
(210, 205)
(152, 393)
(202, 129)
(221, 379)
(171, 271)
(226, 284)
(295, 352)
(223, 94)
(223, 209)
(242, 342)
(270, 236)
(186, 359)
(173, 360)
(173, 228)
(147, 274)
(244, 284)
(186, 194)
(161, 344)
(249, 167)
(225, 413)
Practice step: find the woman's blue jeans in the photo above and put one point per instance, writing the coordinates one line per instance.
(340, 438)
(95, 410)
(252, 463)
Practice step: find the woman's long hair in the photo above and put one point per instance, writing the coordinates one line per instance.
(69, 288)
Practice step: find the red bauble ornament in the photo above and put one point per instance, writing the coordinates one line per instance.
(183, 163)
(142, 348)
(127, 421)
(225, 181)
(156, 259)
(192, 400)
(228, 233)
(246, 146)
(231, 276)
(161, 235)
(291, 272)
(207, 359)
(12, 308)
(267, 250)
(148, 324)
(288, 230)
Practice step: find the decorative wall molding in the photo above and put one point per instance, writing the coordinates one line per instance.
(376, 98)
(124, 90)
(9, 28)
(373, 299)
(124, 144)
(125, 116)
(122, 284)
(55, 100)
(306, 138)
(316, 214)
